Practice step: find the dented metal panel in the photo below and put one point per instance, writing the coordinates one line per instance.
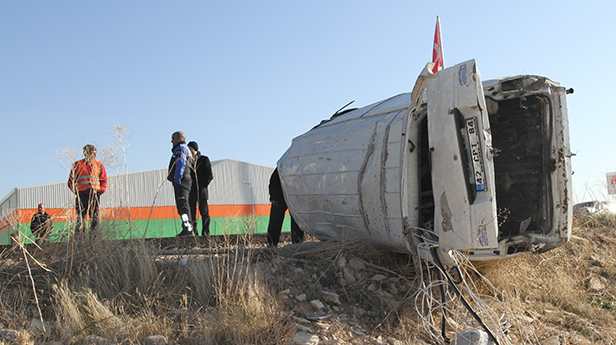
(343, 179)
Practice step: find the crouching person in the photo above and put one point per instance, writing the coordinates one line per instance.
(41, 224)
(180, 175)
(279, 207)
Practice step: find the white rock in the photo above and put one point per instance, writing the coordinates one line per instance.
(95, 340)
(378, 277)
(155, 340)
(472, 337)
(301, 297)
(317, 304)
(341, 262)
(349, 278)
(595, 284)
(394, 341)
(357, 264)
(303, 338)
(37, 327)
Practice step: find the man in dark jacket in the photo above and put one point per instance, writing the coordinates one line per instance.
(41, 223)
(180, 175)
(279, 207)
(202, 176)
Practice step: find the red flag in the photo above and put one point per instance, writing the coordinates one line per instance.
(437, 49)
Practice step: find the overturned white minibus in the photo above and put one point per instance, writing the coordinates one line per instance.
(481, 167)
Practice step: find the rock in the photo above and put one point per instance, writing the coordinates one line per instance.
(349, 277)
(372, 287)
(285, 292)
(317, 304)
(579, 340)
(472, 337)
(301, 320)
(357, 264)
(8, 335)
(323, 325)
(303, 338)
(95, 340)
(302, 308)
(331, 297)
(378, 277)
(394, 341)
(358, 311)
(301, 298)
(302, 328)
(318, 316)
(37, 326)
(554, 340)
(595, 284)
(155, 340)
(54, 343)
(358, 331)
(341, 262)
(298, 270)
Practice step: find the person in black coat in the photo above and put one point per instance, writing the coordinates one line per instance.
(202, 176)
(279, 207)
(41, 224)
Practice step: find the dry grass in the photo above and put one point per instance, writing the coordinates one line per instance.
(124, 292)
(245, 310)
(549, 294)
(593, 221)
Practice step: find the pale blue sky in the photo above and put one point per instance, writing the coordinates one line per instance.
(243, 78)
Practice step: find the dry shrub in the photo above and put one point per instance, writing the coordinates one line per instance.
(69, 318)
(24, 338)
(14, 307)
(112, 268)
(244, 310)
(201, 283)
(148, 323)
(597, 220)
(540, 294)
(80, 313)
(252, 316)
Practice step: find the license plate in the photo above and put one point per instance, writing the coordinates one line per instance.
(476, 154)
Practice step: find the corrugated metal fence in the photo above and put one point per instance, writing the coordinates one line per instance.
(234, 182)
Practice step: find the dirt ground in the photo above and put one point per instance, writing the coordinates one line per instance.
(99, 292)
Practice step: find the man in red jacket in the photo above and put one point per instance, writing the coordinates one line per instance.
(88, 180)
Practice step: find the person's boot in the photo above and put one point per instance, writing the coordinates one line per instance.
(187, 228)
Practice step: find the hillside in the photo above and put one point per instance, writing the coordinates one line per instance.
(101, 292)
